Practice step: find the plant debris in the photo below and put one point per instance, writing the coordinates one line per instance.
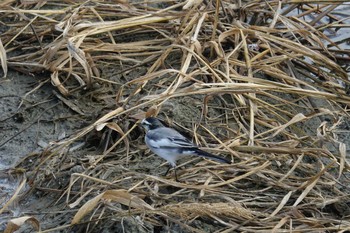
(260, 82)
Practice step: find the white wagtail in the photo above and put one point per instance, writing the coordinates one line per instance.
(170, 144)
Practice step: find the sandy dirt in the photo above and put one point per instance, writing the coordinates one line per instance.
(30, 119)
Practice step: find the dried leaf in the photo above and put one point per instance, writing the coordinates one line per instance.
(152, 111)
(297, 118)
(190, 3)
(3, 58)
(14, 224)
(343, 160)
(79, 55)
(121, 196)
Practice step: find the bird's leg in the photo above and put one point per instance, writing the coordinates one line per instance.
(166, 173)
(175, 175)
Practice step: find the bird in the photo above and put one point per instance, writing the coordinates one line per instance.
(171, 145)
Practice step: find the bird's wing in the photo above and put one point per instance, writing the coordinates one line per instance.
(168, 138)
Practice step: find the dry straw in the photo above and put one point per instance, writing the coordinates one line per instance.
(272, 91)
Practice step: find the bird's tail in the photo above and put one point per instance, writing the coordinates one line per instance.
(205, 154)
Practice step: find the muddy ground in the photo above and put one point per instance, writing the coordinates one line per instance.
(28, 122)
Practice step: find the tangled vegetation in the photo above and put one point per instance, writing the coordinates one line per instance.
(260, 82)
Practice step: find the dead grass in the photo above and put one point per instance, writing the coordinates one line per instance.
(271, 73)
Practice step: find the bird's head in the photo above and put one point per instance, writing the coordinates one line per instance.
(150, 123)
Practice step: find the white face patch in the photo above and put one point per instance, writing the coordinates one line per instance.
(145, 124)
